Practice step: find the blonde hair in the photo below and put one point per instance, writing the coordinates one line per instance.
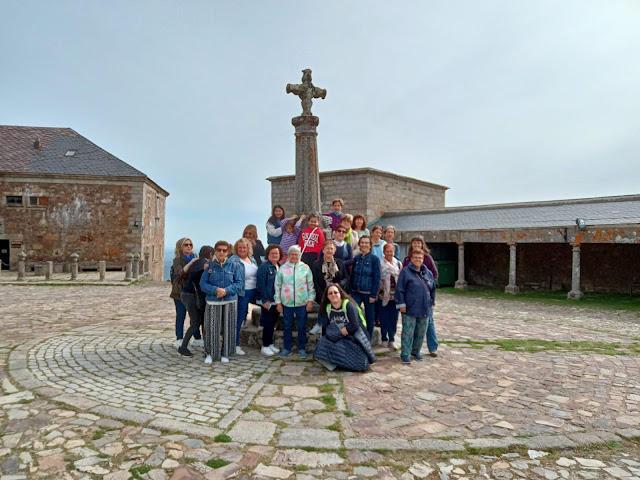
(252, 229)
(178, 251)
(246, 242)
(346, 216)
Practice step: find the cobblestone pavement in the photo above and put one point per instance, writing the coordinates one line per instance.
(92, 388)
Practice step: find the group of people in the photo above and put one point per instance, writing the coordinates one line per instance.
(354, 274)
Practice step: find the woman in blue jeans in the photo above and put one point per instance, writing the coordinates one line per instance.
(182, 261)
(365, 280)
(243, 251)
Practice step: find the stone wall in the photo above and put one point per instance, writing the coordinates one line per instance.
(605, 268)
(93, 218)
(364, 190)
(153, 230)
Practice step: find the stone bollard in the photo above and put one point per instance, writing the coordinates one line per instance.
(129, 268)
(74, 266)
(21, 258)
(102, 268)
(146, 264)
(136, 265)
(48, 270)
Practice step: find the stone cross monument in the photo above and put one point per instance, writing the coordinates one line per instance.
(307, 183)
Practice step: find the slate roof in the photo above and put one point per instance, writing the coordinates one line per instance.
(560, 213)
(19, 155)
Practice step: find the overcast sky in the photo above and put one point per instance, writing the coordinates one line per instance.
(501, 101)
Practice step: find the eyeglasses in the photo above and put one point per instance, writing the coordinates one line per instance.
(333, 293)
(341, 231)
(222, 250)
(187, 244)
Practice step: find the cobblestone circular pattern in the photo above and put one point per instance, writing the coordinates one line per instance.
(145, 374)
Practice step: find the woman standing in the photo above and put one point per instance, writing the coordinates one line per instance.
(344, 250)
(389, 233)
(389, 271)
(350, 236)
(365, 280)
(182, 261)
(359, 226)
(266, 283)
(336, 213)
(194, 299)
(415, 297)
(221, 283)
(294, 293)
(251, 233)
(247, 294)
(344, 344)
(311, 241)
(274, 228)
(326, 271)
(376, 241)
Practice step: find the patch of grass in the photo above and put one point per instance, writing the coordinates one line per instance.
(381, 451)
(129, 423)
(326, 388)
(401, 468)
(98, 434)
(103, 455)
(349, 413)
(138, 470)
(328, 400)
(24, 401)
(336, 427)
(222, 438)
(612, 444)
(308, 449)
(246, 409)
(216, 463)
(445, 438)
(590, 300)
(302, 468)
(258, 374)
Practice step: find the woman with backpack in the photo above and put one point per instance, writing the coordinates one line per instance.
(344, 343)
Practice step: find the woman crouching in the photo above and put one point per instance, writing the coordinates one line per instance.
(221, 282)
(345, 343)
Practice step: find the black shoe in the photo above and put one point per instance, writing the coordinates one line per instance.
(185, 352)
(417, 356)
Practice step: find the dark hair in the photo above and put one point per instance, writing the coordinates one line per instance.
(367, 237)
(325, 298)
(206, 251)
(364, 221)
(273, 246)
(419, 238)
(222, 243)
(275, 220)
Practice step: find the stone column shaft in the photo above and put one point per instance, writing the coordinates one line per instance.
(74, 266)
(102, 268)
(146, 262)
(512, 287)
(575, 292)
(461, 283)
(129, 268)
(136, 266)
(21, 265)
(48, 270)
(307, 182)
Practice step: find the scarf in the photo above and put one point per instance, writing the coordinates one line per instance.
(388, 270)
(188, 258)
(329, 269)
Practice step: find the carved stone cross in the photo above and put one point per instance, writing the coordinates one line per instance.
(306, 91)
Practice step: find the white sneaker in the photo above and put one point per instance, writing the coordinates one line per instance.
(208, 359)
(267, 351)
(224, 359)
(239, 351)
(316, 329)
(384, 344)
(198, 343)
(274, 349)
(178, 343)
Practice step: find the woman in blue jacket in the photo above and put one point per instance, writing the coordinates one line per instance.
(365, 280)
(221, 281)
(415, 297)
(265, 297)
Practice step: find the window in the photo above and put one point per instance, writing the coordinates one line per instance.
(14, 200)
(38, 201)
(70, 153)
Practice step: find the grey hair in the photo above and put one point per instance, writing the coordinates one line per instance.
(293, 248)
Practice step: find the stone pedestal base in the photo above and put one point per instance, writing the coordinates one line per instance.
(461, 284)
(576, 295)
(512, 289)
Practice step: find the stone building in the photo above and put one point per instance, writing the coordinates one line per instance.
(62, 194)
(581, 245)
(364, 190)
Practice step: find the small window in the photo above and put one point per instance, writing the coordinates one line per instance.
(14, 200)
(33, 201)
(38, 201)
(70, 153)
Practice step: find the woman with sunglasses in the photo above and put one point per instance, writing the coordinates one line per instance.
(344, 343)
(182, 261)
(221, 282)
